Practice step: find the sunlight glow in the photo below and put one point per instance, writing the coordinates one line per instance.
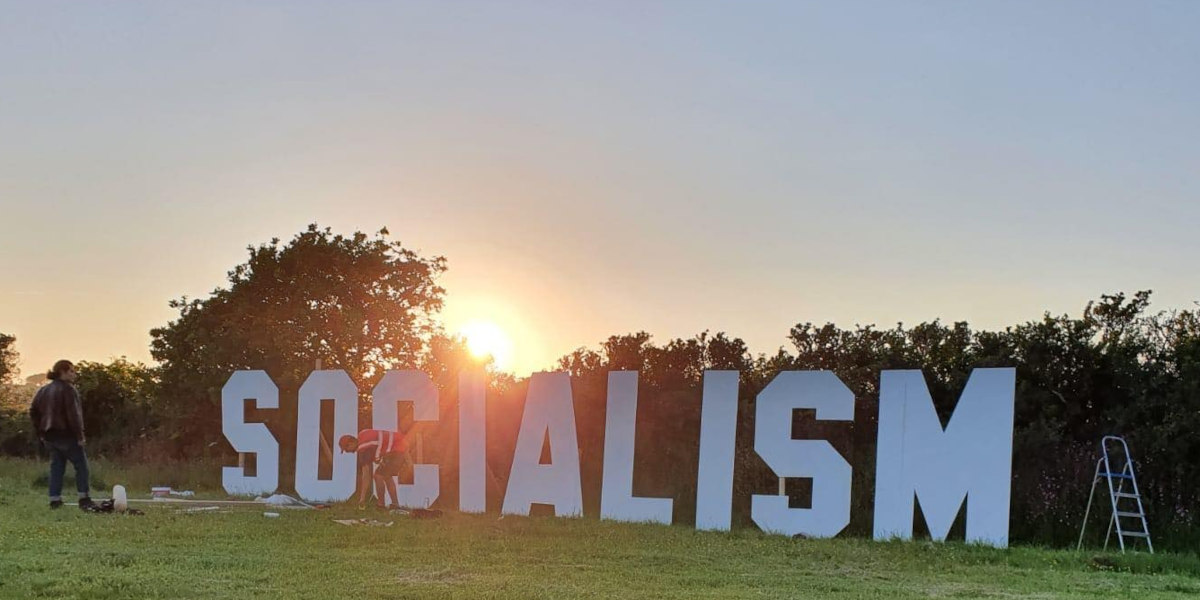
(485, 338)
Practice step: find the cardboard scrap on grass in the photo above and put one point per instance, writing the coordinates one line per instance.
(369, 522)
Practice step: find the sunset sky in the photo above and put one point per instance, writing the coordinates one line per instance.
(598, 168)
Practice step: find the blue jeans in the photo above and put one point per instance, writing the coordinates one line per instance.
(63, 449)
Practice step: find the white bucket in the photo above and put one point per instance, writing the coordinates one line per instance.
(120, 500)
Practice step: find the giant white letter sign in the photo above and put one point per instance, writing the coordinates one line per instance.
(472, 442)
(816, 459)
(250, 437)
(971, 459)
(616, 496)
(718, 434)
(416, 387)
(548, 411)
(325, 385)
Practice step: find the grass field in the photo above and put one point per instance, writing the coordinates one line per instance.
(303, 554)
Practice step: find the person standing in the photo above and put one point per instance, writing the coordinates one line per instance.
(57, 416)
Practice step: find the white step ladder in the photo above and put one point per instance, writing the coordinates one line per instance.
(1126, 504)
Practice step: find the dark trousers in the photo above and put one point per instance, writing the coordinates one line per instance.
(63, 449)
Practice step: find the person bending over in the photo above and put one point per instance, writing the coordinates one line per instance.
(382, 456)
(57, 416)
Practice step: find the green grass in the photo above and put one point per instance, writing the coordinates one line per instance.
(303, 554)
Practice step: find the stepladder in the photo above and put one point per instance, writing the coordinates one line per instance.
(1128, 514)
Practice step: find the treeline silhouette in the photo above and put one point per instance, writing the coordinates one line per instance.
(1113, 370)
(364, 304)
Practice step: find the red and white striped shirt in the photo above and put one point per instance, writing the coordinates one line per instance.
(374, 443)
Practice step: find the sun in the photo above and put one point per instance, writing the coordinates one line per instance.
(485, 339)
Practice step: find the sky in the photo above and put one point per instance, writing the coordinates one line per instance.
(596, 168)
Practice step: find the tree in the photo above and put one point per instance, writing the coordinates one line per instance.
(117, 398)
(8, 358)
(15, 435)
(359, 303)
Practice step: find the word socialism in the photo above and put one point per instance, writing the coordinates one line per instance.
(970, 460)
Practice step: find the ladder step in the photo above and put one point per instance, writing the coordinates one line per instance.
(1135, 534)
(1129, 514)
(1125, 495)
(1116, 475)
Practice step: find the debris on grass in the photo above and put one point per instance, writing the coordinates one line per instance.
(368, 522)
(283, 500)
(107, 506)
(418, 513)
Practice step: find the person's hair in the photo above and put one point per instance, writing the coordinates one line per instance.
(347, 442)
(60, 368)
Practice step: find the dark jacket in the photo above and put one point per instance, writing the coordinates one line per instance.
(56, 408)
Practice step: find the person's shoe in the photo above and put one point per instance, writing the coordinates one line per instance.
(56, 504)
(85, 503)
